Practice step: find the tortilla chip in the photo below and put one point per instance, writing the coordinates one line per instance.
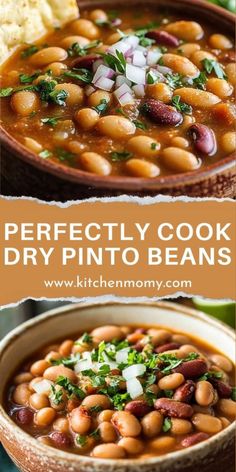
(25, 21)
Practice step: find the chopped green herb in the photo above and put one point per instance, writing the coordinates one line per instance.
(151, 79)
(181, 106)
(51, 121)
(211, 374)
(45, 154)
(59, 97)
(86, 339)
(140, 124)
(151, 379)
(146, 42)
(83, 75)
(153, 146)
(28, 79)
(174, 80)
(113, 14)
(120, 399)
(29, 51)
(81, 440)
(117, 63)
(95, 434)
(210, 65)
(102, 107)
(233, 394)
(169, 393)
(70, 388)
(120, 156)
(6, 92)
(66, 361)
(95, 409)
(56, 395)
(77, 50)
(200, 81)
(166, 425)
(64, 155)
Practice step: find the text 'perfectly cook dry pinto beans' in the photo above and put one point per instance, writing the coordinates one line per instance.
(126, 94)
(123, 391)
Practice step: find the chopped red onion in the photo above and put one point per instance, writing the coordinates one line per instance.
(104, 83)
(133, 41)
(139, 59)
(126, 99)
(123, 90)
(139, 90)
(121, 79)
(164, 70)
(103, 71)
(122, 46)
(135, 74)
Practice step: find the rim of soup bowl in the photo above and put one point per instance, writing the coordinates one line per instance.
(59, 455)
(127, 183)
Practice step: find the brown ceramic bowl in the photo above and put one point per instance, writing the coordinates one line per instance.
(215, 454)
(24, 173)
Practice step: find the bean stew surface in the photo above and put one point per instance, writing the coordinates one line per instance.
(124, 392)
(125, 92)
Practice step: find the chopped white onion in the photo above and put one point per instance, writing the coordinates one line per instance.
(89, 90)
(85, 363)
(134, 388)
(139, 59)
(164, 70)
(153, 57)
(104, 72)
(134, 370)
(122, 355)
(43, 386)
(139, 90)
(126, 99)
(142, 48)
(132, 40)
(135, 74)
(121, 46)
(104, 83)
(121, 79)
(124, 88)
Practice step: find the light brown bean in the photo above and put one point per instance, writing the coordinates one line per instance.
(21, 394)
(189, 48)
(152, 424)
(220, 41)
(158, 336)
(109, 451)
(140, 168)
(180, 142)
(220, 87)
(56, 68)
(97, 400)
(180, 64)
(206, 423)
(197, 98)
(80, 420)
(180, 339)
(171, 382)
(38, 401)
(62, 425)
(98, 15)
(222, 362)
(126, 423)
(52, 373)
(96, 98)
(144, 146)
(179, 160)
(227, 407)
(33, 145)
(230, 70)
(107, 432)
(38, 368)
(65, 348)
(25, 102)
(95, 163)
(187, 30)
(70, 40)
(159, 91)
(47, 56)
(23, 377)
(87, 118)
(85, 28)
(204, 393)
(116, 127)
(107, 333)
(75, 93)
(163, 443)
(228, 142)
(45, 416)
(199, 56)
(133, 446)
(180, 426)
(105, 415)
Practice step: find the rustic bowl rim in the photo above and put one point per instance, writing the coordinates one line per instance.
(57, 454)
(124, 183)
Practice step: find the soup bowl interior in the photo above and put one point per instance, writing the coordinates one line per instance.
(223, 22)
(30, 455)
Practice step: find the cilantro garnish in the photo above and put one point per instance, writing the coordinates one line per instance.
(81, 440)
(210, 65)
(169, 393)
(200, 81)
(64, 155)
(233, 394)
(51, 121)
(166, 425)
(102, 107)
(28, 79)
(117, 62)
(45, 154)
(85, 339)
(120, 399)
(29, 51)
(210, 375)
(153, 146)
(140, 124)
(56, 395)
(120, 156)
(181, 106)
(76, 50)
(79, 74)
(174, 80)
(7, 92)
(70, 387)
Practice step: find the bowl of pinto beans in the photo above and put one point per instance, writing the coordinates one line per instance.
(119, 387)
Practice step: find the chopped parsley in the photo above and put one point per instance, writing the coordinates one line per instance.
(81, 440)
(45, 154)
(70, 387)
(210, 375)
(166, 425)
(66, 361)
(140, 124)
(181, 106)
(29, 51)
(120, 156)
(76, 50)
(102, 107)
(84, 75)
(51, 121)
(210, 65)
(200, 81)
(85, 339)
(168, 393)
(117, 63)
(174, 80)
(153, 146)
(233, 394)
(120, 400)
(56, 395)
(28, 79)
(64, 155)
(7, 92)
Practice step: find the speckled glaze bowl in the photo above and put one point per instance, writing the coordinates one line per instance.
(25, 173)
(215, 454)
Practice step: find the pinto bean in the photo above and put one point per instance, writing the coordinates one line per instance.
(132, 445)
(105, 415)
(61, 424)
(80, 420)
(191, 369)
(173, 408)
(167, 347)
(97, 400)
(138, 408)
(189, 48)
(205, 410)
(223, 390)
(222, 362)
(198, 57)
(204, 393)
(45, 416)
(161, 113)
(107, 432)
(180, 64)
(227, 407)
(108, 333)
(52, 373)
(140, 168)
(60, 439)
(85, 28)
(95, 163)
(47, 55)
(109, 451)
(197, 98)
(220, 41)
(203, 138)
(126, 424)
(163, 443)
(70, 40)
(66, 347)
(171, 382)
(116, 127)
(206, 423)
(21, 394)
(180, 426)
(185, 392)
(178, 159)
(194, 439)
(186, 30)
(24, 416)
(24, 377)
(38, 368)
(163, 37)
(152, 424)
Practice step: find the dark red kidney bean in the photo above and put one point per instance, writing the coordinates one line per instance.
(191, 369)
(185, 392)
(139, 346)
(161, 113)
(138, 408)
(115, 372)
(194, 439)
(167, 347)
(223, 390)
(60, 439)
(229, 56)
(203, 138)
(85, 62)
(24, 416)
(164, 38)
(172, 408)
(140, 330)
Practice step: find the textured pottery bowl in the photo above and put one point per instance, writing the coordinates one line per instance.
(25, 173)
(217, 453)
